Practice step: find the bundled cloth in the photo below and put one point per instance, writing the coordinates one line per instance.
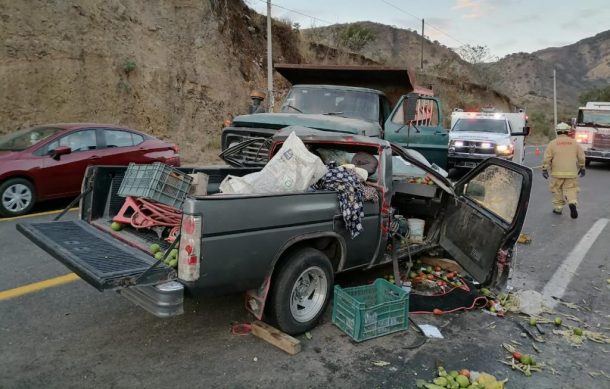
(350, 194)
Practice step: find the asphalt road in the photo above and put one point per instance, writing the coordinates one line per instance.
(72, 336)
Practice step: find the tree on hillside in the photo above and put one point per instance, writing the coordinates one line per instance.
(355, 36)
(596, 94)
(480, 57)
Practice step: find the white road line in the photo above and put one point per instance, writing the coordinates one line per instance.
(558, 284)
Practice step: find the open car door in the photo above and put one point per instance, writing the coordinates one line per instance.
(483, 222)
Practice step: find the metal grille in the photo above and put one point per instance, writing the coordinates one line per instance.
(101, 256)
(257, 151)
(601, 141)
(116, 202)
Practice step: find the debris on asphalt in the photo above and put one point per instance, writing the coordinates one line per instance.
(431, 331)
(517, 360)
(577, 336)
(524, 239)
(308, 335)
(461, 379)
(381, 363)
(529, 302)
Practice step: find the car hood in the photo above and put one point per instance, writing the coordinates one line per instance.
(467, 135)
(8, 155)
(316, 121)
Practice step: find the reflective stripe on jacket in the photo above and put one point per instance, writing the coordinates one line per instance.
(564, 157)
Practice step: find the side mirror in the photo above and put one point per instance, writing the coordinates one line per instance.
(58, 152)
(409, 107)
(526, 132)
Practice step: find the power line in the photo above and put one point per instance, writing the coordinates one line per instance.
(428, 24)
(297, 12)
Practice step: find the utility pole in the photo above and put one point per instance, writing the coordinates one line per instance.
(554, 97)
(422, 44)
(270, 99)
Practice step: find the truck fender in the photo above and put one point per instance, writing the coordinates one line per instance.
(256, 298)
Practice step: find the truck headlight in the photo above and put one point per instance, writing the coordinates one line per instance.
(457, 143)
(504, 149)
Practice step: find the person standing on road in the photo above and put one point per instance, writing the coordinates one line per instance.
(566, 159)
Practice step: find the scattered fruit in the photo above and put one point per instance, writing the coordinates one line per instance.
(173, 263)
(159, 255)
(465, 373)
(154, 248)
(173, 253)
(517, 355)
(485, 292)
(437, 268)
(557, 321)
(533, 321)
(437, 311)
(526, 359)
(577, 331)
(454, 373)
(462, 380)
(441, 381)
(116, 226)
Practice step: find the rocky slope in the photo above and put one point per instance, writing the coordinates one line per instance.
(174, 69)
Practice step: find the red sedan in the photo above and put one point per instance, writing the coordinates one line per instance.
(49, 161)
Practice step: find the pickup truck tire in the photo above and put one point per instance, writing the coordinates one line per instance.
(17, 197)
(301, 291)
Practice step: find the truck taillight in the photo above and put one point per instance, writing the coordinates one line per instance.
(582, 137)
(190, 248)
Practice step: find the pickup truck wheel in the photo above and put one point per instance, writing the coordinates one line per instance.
(301, 291)
(16, 197)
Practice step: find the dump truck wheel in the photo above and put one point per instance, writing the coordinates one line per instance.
(300, 291)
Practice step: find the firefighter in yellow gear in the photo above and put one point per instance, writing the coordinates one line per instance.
(566, 160)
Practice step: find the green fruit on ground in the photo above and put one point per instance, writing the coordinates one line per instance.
(533, 321)
(154, 248)
(454, 373)
(485, 292)
(557, 321)
(159, 255)
(116, 226)
(462, 380)
(526, 359)
(173, 263)
(441, 381)
(577, 331)
(412, 274)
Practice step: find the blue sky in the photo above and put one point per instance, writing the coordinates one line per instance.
(505, 26)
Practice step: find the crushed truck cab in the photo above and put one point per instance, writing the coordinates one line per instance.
(284, 249)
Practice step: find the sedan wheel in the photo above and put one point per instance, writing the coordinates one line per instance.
(16, 197)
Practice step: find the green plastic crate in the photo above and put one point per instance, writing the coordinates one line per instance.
(158, 182)
(366, 312)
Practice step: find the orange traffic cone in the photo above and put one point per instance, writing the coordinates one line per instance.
(537, 151)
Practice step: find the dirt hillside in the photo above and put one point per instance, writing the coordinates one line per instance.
(175, 69)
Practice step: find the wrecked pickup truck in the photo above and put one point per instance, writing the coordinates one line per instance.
(284, 249)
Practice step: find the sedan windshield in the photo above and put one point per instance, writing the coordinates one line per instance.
(346, 103)
(24, 139)
(481, 125)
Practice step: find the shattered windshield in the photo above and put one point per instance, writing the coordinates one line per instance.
(24, 139)
(594, 117)
(346, 103)
(481, 125)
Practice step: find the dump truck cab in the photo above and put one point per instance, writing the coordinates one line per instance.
(355, 100)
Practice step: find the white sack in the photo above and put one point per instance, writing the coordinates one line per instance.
(292, 169)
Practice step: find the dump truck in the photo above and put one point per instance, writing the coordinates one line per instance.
(284, 249)
(376, 101)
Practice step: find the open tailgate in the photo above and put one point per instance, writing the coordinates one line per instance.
(95, 256)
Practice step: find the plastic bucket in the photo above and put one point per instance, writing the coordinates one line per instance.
(416, 229)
